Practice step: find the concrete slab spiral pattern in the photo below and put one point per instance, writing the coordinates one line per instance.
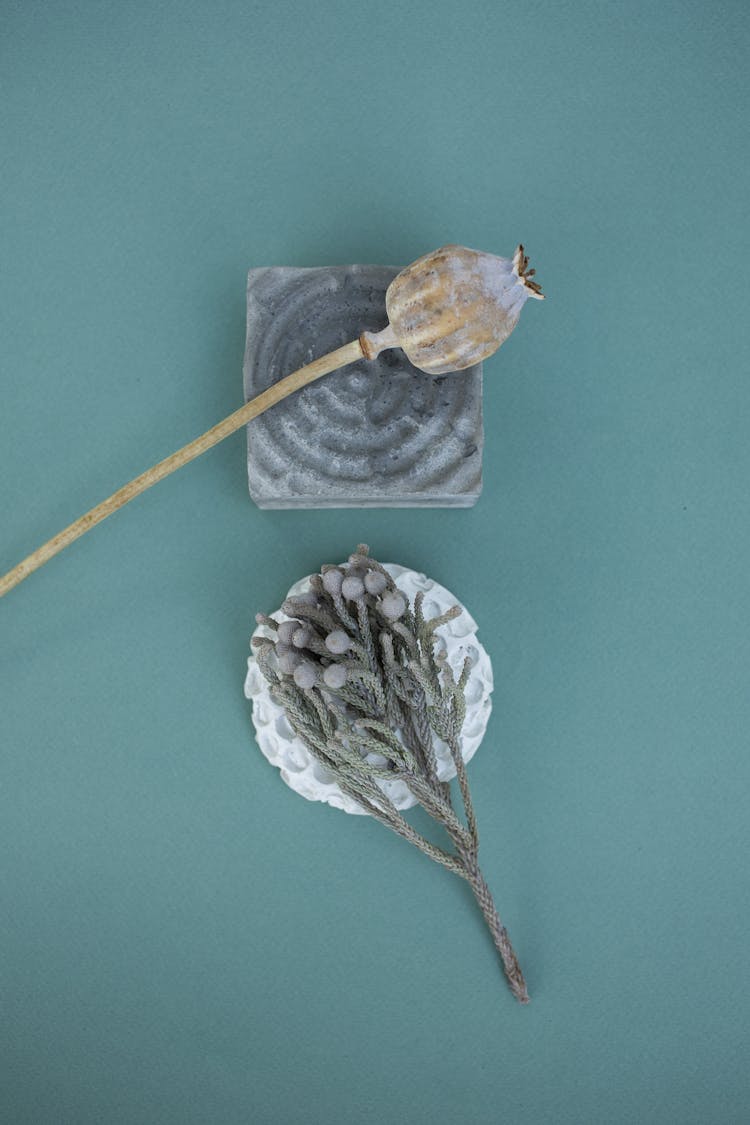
(374, 434)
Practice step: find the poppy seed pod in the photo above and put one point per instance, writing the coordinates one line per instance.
(454, 307)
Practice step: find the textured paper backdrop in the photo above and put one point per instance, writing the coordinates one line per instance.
(183, 939)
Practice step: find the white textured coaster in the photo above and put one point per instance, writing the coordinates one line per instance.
(309, 778)
(374, 434)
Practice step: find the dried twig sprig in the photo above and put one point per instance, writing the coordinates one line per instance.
(356, 670)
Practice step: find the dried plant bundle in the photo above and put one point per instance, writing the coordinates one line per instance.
(365, 686)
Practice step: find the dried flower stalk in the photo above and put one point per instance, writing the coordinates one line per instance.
(356, 671)
(448, 310)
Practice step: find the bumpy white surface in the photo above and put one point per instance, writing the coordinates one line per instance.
(308, 777)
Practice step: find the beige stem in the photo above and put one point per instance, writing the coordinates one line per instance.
(349, 353)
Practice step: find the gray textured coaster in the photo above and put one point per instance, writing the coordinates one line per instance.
(374, 434)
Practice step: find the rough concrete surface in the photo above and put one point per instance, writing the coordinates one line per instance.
(373, 434)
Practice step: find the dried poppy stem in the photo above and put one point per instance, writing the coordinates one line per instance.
(448, 310)
(349, 353)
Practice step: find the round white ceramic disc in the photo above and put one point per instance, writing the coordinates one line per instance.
(308, 777)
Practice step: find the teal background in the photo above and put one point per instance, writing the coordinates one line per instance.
(183, 938)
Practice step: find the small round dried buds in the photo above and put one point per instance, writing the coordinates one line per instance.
(301, 637)
(332, 581)
(305, 675)
(335, 676)
(288, 660)
(338, 642)
(393, 606)
(375, 582)
(352, 588)
(286, 631)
